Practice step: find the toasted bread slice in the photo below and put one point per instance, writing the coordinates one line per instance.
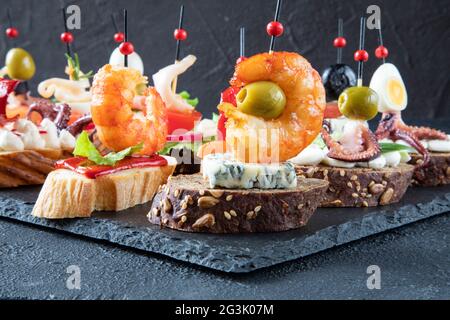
(187, 203)
(361, 187)
(67, 194)
(436, 173)
(28, 167)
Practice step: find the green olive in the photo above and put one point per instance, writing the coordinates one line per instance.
(20, 64)
(262, 99)
(140, 88)
(358, 103)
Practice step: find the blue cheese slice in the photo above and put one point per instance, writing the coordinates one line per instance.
(222, 171)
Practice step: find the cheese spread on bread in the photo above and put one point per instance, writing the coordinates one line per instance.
(25, 135)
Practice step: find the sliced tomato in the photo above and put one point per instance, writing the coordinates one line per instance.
(332, 111)
(186, 121)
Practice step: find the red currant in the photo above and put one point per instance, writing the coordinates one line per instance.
(340, 42)
(381, 52)
(180, 34)
(119, 37)
(12, 33)
(66, 37)
(126, 48)
(361, 55)
(275, 29)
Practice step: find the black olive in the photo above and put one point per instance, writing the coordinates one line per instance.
(336, 79)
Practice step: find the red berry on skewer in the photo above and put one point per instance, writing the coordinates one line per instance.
(180, 34)
(381, 52)
(361, 56)
(339, 42)
(12, 33)
(126, 48)
(67, 37)
(275, 29)
(119, 37)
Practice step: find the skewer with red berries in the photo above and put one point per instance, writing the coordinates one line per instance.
(338, 77)
(275, 28)
(125, 54)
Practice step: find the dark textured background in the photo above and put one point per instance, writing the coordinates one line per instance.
(417, 33)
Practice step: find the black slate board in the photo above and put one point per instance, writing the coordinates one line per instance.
(237, 253)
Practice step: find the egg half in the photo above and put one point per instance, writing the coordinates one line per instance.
(134, 60)
(388, 84)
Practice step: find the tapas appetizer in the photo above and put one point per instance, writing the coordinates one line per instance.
(430, 147)
(28, 148)
(130, 122)
(361, 172)
(279, 112)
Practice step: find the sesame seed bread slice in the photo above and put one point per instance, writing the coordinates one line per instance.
(436, 173)
(186, 203)
(67, 194)
(361, 187)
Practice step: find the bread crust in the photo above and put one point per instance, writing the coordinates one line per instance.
(361, 187)
(436, 173)
(187, 204)
(67, 194)
(28, 167)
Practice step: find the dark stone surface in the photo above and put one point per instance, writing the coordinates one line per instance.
(414, 264)
(244, 252)
(416, 33)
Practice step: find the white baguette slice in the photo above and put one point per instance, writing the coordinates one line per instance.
(67, 194)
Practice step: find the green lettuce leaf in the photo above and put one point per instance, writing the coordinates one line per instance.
(85, 148)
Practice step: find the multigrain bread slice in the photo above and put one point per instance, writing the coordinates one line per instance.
(67, 194)
(361, 187)
(28, 167)
(436, 173)
(186, 203)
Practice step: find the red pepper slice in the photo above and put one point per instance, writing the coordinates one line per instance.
(228, 96)
(6, 87)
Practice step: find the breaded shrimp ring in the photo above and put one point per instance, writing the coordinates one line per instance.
(254, 139)
(122, 117)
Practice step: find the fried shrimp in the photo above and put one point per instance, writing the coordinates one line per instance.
(121, 116)
(255, 139)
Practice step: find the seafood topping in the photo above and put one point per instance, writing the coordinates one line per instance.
(79, 125)
(58, 113)
(163, 80)
(392, 127)
(253, 138)
(122, 117)
(357, 144)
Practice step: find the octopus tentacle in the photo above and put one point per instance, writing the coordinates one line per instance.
(59, 114)
(78, 126)
(338, 152)
(392, 126)
(428, 133)
(412, 140)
